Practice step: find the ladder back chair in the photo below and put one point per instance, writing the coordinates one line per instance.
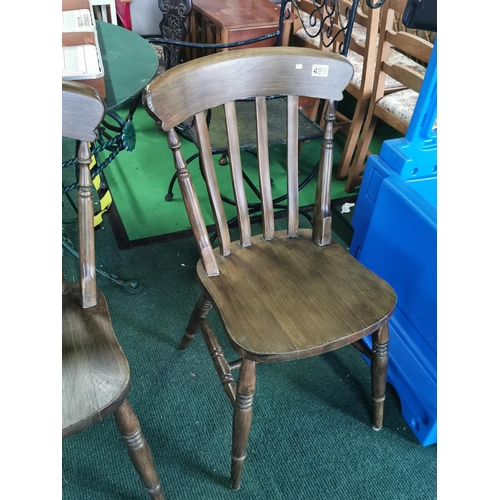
(322, 24)
(95, 371)
(322, 28)
(281, 295)
(395, 109)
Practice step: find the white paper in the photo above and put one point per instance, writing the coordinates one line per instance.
(346, 208)
(80, 60)
(76, 19)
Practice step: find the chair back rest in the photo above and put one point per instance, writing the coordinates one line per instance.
(223, 78)
(82, 112)
(331, 18)
(366, 46)
(405, 42)
(328, 21)
(367, 22)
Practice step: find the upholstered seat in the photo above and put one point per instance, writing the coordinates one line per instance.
(401, 104)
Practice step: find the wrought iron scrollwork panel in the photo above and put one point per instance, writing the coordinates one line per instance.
(173, 26)
(328, 23)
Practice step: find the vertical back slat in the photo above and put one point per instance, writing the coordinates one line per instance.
(292, 135)
(88, 284)
(264, 175)
(192, 206)
(211, 182)
(322, 218)
(237, 174)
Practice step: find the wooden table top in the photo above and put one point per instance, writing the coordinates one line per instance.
(232, 14)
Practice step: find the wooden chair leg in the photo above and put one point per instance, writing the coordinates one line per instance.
(221, 365)
(358, 163)
(200, 311)
(379, 364)
(138, 449)
(242, 419)
(352, 139)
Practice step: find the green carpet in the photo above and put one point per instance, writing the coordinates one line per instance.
(311, 436)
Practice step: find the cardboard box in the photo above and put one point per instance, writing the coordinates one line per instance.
(81, 55)
(77, 15)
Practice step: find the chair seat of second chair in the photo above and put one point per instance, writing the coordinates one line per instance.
(97, 357)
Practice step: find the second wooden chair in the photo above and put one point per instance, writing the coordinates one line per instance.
(95, 371)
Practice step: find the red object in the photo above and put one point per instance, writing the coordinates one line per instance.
(123, 12)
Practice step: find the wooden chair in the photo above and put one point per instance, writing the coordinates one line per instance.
(328, 35)
(362, 52)
(318, 26)
(395, 109)
(95, 371)
(281, 295)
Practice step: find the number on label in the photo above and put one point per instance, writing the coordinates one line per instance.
(320, 70)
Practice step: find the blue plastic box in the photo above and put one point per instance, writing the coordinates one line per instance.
(395, 235)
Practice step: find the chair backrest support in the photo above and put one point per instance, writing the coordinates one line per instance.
(82, 126)
(196, 86)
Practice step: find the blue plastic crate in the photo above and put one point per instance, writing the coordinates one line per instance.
(395, 235)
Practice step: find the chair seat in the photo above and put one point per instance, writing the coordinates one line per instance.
(286, 277)
(95, 372)
(402, 104)
(313, 28)
(395, 57)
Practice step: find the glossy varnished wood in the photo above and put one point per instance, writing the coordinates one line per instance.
(95, 371)
(231, 14)
(280, 295)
